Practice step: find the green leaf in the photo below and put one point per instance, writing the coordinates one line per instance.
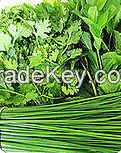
(1, 56)
(11, 64)
(3, 97)
(107, 87)
(97, 42)
(74, 53)
(19, 30)
(24, 89)
(43, 28)
(70, 88)
(41, 51)
(54, 55)
(23, 31)
(93, 14)
(5, 41)
(106, 16)
(31, 23)
(29, 92)
(74, 27)
(94, 66)
(115, 3)
(17, 100)
(35, 60)
(2, 82)
(94, 28)
(111, 60)
(99, 3)
(86, 40)
(75, 37)
(54, 89)
(62, 40)
(117, 17)
(72, 34)
(31, 96)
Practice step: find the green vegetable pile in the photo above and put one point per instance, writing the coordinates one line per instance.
(92, 125)
(78, 34)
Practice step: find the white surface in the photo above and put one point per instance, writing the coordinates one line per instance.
(1, 151)
(15, 2)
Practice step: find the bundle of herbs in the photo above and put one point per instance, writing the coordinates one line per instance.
(77, 35)
(80, 126)
(74, 36)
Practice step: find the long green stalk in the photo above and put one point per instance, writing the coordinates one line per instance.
(82, 126)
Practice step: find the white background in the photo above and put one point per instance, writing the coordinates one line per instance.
(15, 2)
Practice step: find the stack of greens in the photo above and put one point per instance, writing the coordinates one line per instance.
(80, 126)
(78, 35)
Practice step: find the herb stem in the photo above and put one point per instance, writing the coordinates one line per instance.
(105, 46)
(6, 90)
(99, 59)
(89, 75)
(65, 49)
(77, 5)
(5, 64)
(50, 97)
(110, 41)
(37, 89)
(2, 109)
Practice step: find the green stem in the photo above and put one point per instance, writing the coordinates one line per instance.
(6, 64)
(99, 59)
(89, 75)
(65, 49)
(50, 97)
(110, 41)
(105, 46)
(13, 42)
(37, 102)
(77, 5)
(37, 89)
(6, 90)
(37, 41)
(2, 109)
(44, 95)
